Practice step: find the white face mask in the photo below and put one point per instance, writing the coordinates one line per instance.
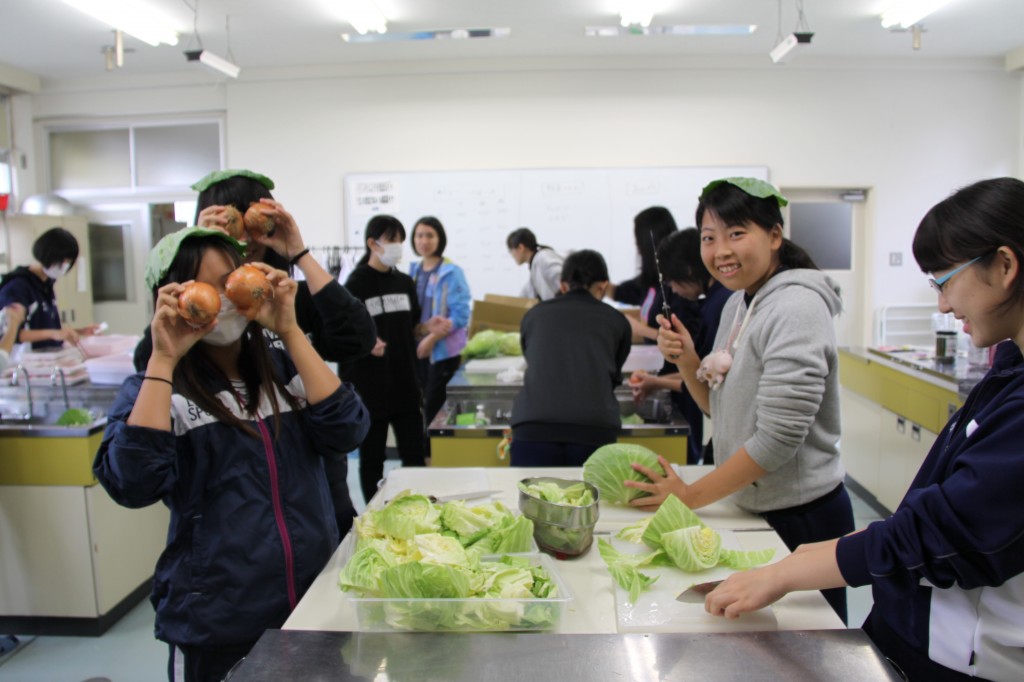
(57, 270)
(392, 255)
(231, 325)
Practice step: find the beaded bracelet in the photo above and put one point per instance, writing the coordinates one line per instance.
(298, 256)
(166, 381)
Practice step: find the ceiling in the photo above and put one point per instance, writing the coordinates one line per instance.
(56, 42)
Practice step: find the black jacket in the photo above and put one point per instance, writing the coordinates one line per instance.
(574, 347)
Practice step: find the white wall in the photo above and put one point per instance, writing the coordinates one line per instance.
(910, 135)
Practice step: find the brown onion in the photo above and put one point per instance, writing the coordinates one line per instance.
(199, 304)
(258, 223)
(234, 223)
(247, 287)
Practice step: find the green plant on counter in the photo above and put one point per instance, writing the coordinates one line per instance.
(611, 465)
(679, 539)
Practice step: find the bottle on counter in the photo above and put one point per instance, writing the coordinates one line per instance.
(480, 418)
(945, 327)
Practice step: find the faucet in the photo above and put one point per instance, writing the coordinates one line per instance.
(59, 372)
(28, 385)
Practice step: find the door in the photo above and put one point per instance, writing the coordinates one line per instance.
(120, 237)
(832, 229)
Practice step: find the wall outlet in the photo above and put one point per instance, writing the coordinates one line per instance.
(896, 258)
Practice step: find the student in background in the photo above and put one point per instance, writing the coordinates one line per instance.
(442, 291)
(387, 378)
(775, 402)
(947, 568)
(703, 297)
(574, 346)
(55, 252)
(335, 322)
(650, 226)
(544, 263)
(228, 432)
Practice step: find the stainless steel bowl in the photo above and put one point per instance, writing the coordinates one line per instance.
(560, 529)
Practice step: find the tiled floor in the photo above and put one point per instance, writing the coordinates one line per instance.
(129, 653)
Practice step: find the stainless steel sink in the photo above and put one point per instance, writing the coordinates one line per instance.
(14, 420)
(656, 412)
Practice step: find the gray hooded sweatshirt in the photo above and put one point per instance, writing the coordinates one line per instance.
(780, 399)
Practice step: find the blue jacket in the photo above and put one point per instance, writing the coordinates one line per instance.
(251, 518)
(449, 293)
(947, 568)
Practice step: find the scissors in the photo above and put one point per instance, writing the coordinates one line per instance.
(665, 309)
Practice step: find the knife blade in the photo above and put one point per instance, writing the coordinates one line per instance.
(695, 594)
(465, 496)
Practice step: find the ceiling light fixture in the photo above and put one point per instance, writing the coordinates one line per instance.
(213, 62)
(365, 16)
(135, 18)
(437, 34)
(636, 12)
(801, 36)
(677, 30)
(906, 13)
(207, 58)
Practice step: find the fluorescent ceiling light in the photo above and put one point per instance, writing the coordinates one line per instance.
(677, 30)
(134, 18)
(438, 34)
(213, 62)
(636, 12)
(364, 15)
(906, 13)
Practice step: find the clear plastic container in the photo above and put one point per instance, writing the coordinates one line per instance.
(467, 615)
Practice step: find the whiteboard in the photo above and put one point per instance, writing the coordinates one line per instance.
(568, 209)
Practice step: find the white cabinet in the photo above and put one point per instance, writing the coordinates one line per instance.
(858, 448)
(70, 551)
(903, 445)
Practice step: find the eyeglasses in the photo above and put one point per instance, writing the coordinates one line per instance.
(938, 283)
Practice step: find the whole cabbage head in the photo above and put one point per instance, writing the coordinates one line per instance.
(611, 465)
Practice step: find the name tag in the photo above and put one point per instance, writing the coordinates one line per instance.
(391, 303)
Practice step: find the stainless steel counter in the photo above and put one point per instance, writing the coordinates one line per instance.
(959, 375)
(802, 655)
(48, 404)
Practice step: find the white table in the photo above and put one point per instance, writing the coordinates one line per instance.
(593, 610)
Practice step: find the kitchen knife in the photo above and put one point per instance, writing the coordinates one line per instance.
(695, 594)
(465, 496)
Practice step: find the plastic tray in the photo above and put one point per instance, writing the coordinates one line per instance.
(466, 615)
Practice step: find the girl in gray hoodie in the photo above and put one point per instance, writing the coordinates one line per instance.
(771, 386)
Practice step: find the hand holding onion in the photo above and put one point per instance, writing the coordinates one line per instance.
(264, 294)
(176, 323)
(284, 239)
(228, 219)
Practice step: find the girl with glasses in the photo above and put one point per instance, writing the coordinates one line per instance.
(947, 568)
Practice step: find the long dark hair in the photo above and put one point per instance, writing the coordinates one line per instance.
(733, 206)
(679, 254)
(650, 226)
(240, 191)
(382, 226)
(973, 223)
(197, 378)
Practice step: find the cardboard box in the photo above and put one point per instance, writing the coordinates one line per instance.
(505, 317)
(635, 314)
(518, 301)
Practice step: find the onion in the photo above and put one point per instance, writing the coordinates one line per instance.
(247, 287)
(234, 223)
(199, 304)
(258, 223)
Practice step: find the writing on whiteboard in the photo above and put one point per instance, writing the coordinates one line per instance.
(378, 196)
